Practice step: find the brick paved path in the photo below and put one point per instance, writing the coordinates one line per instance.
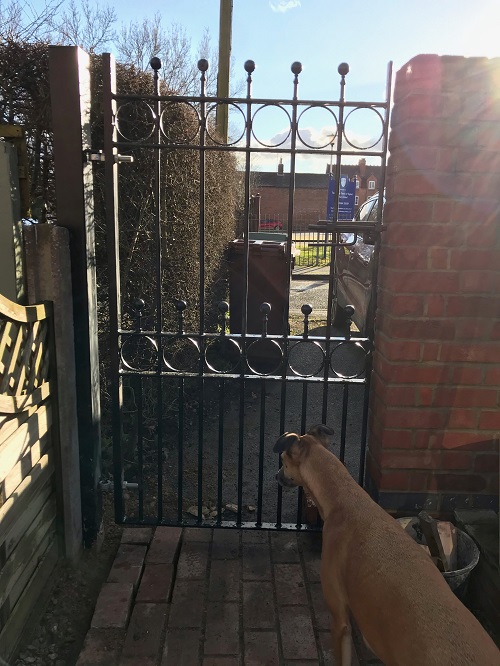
(211, 598)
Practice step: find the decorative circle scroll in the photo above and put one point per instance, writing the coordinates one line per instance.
(306, 358)
(258, 119)
(139, 353)
(237, 123)
(181, 355)
(135, 121)
(348, 359)
(363, 122)
(264, 357)
(223, 355)
(321, 117)
(179, 122)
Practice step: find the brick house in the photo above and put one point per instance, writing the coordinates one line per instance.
(311, 191)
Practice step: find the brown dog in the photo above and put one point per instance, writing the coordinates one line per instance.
(371, 568)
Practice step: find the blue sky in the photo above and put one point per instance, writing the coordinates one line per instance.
(323, 33)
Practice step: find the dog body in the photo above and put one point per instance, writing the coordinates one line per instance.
(372, 568)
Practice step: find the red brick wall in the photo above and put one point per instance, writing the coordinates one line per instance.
(435, 410)
(309, 204)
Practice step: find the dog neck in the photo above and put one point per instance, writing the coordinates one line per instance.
(321, 471)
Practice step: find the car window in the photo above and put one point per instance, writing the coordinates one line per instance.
(364, 211)
(372, 215)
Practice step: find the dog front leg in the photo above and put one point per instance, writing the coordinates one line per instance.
(342, 642)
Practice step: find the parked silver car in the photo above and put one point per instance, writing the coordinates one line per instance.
(354, 272)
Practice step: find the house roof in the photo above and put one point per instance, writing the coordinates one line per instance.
(314, 181)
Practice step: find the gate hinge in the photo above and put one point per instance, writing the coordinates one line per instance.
(98, 156)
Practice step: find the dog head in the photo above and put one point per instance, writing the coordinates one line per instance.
(294, 449)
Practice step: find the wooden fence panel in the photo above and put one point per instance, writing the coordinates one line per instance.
(29, 512)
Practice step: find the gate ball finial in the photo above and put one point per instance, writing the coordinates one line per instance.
(343, 69)
(155, 63)
(203, 65)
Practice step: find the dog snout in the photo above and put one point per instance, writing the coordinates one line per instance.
(283, 480)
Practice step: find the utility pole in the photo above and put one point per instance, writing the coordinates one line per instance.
(225, 23)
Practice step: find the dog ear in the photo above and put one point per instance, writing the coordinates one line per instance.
(285, 442)
(323, 433)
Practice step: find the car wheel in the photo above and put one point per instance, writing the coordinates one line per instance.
(277, 227)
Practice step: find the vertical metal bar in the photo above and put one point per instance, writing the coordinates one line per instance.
(180, 449)
(220, 453)
(202, 66)
(303, 426)
(156, 65)
(114, 296)
(343, 70)
(343, 427)
(249, 68)
(70, 104)
(364, 422)
(262, 436)
(296, 69)
(140, 444)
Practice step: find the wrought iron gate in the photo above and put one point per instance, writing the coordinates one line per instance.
(198, 407)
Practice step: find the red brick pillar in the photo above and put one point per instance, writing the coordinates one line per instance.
(435, 415)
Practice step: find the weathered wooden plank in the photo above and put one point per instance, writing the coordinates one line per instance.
(11, 538)
(12, 631)
(43, 526)
(21, 470)
(23, 313)
(8, 380)
(13, 509)
(7, 337)
(12, 450)
(11, 404)
(9, 423)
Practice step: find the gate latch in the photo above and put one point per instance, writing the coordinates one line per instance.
(98, 156)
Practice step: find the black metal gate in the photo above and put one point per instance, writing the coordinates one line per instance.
(198, 407)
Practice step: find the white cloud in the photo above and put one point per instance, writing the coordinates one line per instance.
(284, 5)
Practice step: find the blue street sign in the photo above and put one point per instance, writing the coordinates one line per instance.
(346, 199)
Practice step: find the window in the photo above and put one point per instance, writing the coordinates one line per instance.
(371, 184)
(357, 182)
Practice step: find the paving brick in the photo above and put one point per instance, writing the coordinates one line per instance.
(193, 560)
(187, 607)
(165, 545)
(312, 564)
(290, 585)
(261, 647)
(256, 562)
(258, 606)
(128, 564)
(156, 583)
(101, 647)
(191, 534)
(113, 606)
(137, 535)
(255, 536)
(144, 635)
(224, 580)
(221, 661)
(322, 616)
(297, 635)
(284, 547)
(226, 544)
(222, 633)
(182, 647)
